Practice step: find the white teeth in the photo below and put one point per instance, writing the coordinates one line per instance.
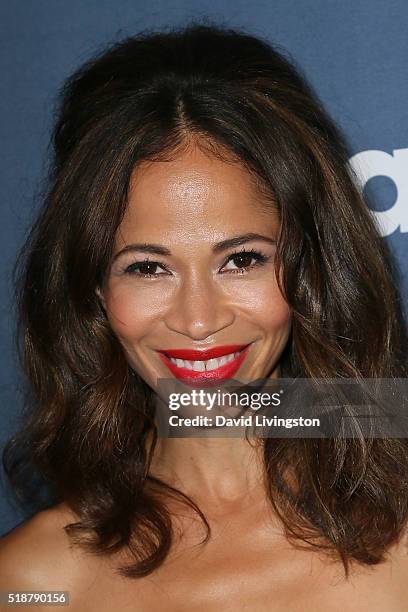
(202, 366)
(211, 364)
(199, 366)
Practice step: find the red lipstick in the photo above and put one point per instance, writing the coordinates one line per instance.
(212, 353)
(207, 376)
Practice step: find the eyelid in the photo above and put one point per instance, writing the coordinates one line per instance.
(141, 262)
(257, 254)
(246, 251)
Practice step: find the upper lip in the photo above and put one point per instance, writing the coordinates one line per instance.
(204, 354)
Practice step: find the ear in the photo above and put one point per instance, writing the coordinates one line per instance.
(99, 293)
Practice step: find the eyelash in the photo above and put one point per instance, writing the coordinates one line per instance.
(260, 258)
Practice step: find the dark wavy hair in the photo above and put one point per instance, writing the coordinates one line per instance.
(88, 415)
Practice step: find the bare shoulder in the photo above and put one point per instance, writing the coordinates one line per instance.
(37, 555)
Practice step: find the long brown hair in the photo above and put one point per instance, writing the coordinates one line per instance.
(88, 414)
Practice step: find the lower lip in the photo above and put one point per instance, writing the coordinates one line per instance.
(208, 377)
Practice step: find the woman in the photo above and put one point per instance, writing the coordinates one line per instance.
(201, 200)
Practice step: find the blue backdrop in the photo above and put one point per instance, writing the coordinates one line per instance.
(354, 52)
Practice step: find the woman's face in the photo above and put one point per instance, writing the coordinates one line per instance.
(178, 282)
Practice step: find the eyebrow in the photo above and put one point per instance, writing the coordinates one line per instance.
(219, 247)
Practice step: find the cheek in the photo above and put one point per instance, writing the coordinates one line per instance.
(264, 304)
(273, 311)
(132, 313)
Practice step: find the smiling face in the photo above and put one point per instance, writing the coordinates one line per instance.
(200, 273)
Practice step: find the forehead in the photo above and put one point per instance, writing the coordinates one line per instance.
(195, 194)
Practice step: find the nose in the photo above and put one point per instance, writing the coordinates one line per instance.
(199, 309)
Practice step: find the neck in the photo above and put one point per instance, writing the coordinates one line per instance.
(220, 472)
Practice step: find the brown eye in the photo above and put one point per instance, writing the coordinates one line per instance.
(147, 267)
(244, 261)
